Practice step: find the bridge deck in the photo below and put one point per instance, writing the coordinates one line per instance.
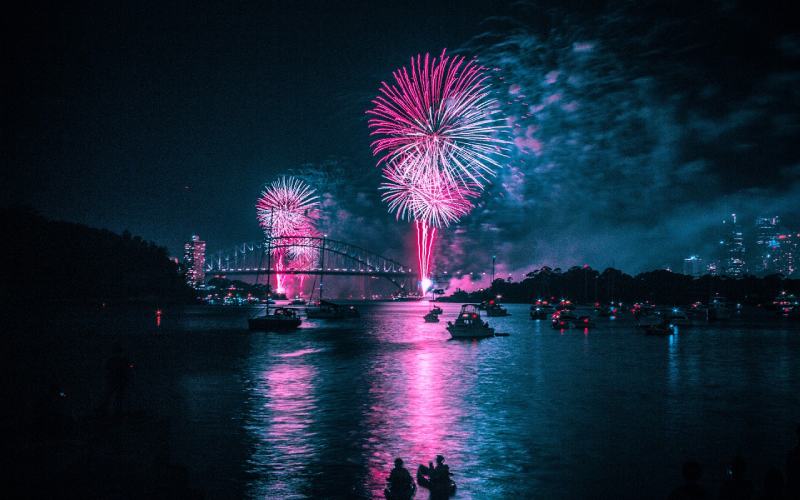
(332, 272)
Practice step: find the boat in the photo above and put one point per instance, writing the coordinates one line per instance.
(565, 305)
(298, 301)
(609, 311)
(676, 317)
(329, 310)
(437, 310)
(444, 490)
(662, 329)
(566, 319)
(324, 309)
(399, 495)
(718, 308)
(494, 310)
(279, 319)
(538, 312)
(541, 309)
(431, 317)
(469, 324)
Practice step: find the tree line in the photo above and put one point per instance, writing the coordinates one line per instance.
(587, 285)
(56, 261)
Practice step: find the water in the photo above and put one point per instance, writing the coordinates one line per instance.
(608, 413)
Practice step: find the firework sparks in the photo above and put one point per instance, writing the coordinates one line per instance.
(288, 209)
(439, 114)
(437, 135)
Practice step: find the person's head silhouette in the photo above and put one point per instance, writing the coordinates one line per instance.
(692, 471)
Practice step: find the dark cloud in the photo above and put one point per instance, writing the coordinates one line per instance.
(636, 130)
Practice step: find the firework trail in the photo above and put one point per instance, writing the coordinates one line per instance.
(288, 209)
(437, 133)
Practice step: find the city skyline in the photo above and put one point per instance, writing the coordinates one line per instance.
(634, 129)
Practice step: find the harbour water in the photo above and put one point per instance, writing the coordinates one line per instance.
(603, 413)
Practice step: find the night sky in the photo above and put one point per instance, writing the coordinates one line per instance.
(637, 126)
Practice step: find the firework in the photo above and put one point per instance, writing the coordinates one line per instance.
(288, 209)
(439, 114)
(437, 131)
(425, 196)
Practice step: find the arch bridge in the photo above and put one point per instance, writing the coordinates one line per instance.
(329, 257)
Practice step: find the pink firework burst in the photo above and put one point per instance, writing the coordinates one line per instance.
(437, 130)
(424, 195)
(439, 113)
(288, 209)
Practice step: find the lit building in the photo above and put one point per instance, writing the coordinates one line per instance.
(194, 259)
(733, 251)
(693, 266)
(767, 246)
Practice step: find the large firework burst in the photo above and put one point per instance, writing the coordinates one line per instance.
(437, 135)
(439, 113)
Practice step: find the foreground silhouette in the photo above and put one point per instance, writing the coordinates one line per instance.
(400, 484)
(690, 489)
(437, 479)
(793, 469)
(736, 486)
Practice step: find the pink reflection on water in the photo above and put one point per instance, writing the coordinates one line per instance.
(420, 407)
(284, 410)
(289, 402)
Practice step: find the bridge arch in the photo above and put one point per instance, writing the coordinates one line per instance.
(339, 258)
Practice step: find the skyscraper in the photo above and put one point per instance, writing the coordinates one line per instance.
(733, 251)
(766, 244)
(693, 266)
(194, 259)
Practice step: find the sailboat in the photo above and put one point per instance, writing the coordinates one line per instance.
(280, 318)
(324, 309)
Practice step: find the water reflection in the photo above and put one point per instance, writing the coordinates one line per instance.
(538, 413)
(283, 406)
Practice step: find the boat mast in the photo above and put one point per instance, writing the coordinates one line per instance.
(269, 258)
(322, 267)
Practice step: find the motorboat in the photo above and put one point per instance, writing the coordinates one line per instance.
(437, 310)
(541, 309)
(431, 317)
(330, 310)
(675, 317)
(718, 308)
(565, 305)
(438, 490)
(494, 309)
(608, 311)
(565, 319)
(662, 329)
(469, 324)
(278, 319)
(539, 312)
(298, 301)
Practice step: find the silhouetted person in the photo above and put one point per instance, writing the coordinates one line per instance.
(400, 481)
(118, 376)
(690, 489)
(773, 485)
(440, 479)
(736, 486)
(793, 469)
